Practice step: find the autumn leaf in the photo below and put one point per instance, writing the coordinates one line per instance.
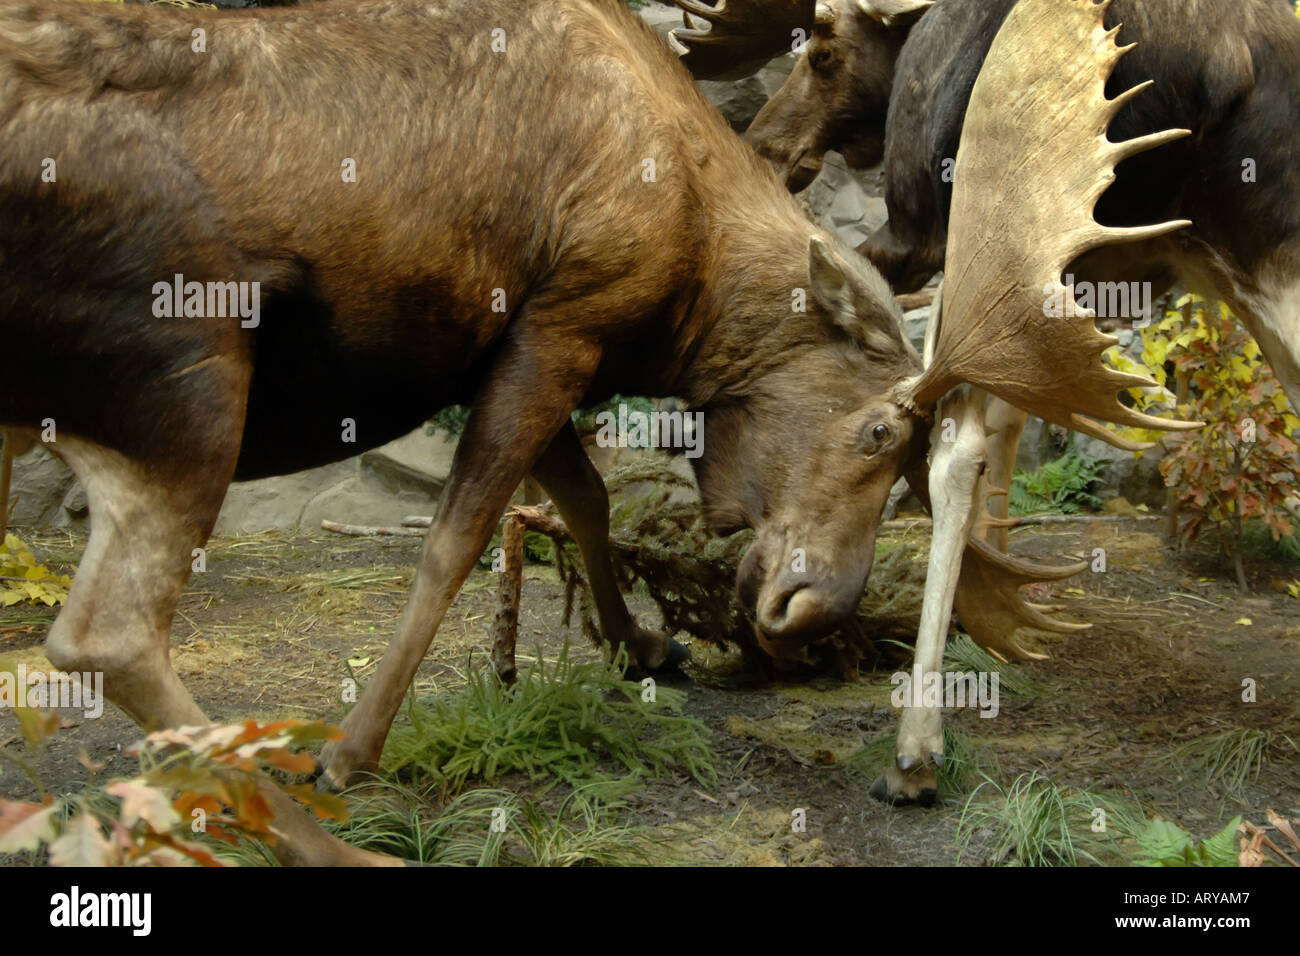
(25, 826)
(82, 844)
(140, 801)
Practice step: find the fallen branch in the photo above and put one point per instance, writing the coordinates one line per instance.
(1024, 521)
(505, 626)
(363, 531)
(540, 520)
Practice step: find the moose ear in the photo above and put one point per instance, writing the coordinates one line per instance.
(856, 298)
(894, 12)
(829, 279)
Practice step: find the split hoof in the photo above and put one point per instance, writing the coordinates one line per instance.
(902, 788)
(925, 797)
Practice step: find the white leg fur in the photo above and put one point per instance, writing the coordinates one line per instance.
(955, 470)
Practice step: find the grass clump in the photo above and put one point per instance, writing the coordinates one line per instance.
(1033, 822)
(490, 827)
(963, 654)
(1227, 761)
(559, 720)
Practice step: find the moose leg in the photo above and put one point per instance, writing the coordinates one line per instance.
(534, 384)
(578, 491)
(146, 523)
(1004, 424)
(955, 471)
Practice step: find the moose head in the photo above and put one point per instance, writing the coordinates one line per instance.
(838, 93)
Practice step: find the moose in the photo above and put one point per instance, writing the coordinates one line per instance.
(891, 79)
(435, 212)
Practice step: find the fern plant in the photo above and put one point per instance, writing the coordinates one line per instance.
(1166, 844)
(1065, 485)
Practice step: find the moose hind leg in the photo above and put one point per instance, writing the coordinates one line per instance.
(145, 524)
(574, 484)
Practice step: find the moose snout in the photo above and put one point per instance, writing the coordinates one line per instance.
(795, 605)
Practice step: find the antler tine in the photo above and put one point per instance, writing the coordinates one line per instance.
(991, 608)
(741, 36)
(1033, 161)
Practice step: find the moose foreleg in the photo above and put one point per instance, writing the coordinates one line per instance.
(956, 466)
(574, 484)
(534, 385)
(1004, 424)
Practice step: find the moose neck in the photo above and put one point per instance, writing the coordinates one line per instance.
(753, 309)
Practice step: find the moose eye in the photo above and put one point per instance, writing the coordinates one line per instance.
(820, 59)
(880, 433)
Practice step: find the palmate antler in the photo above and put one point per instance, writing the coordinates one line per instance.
(741, 35)
(1033, 160)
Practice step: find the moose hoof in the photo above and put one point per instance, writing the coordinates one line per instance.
(656, 653)
(678, 654)
(338, 769)
(899, 788)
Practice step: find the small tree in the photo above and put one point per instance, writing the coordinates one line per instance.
(1242, 465)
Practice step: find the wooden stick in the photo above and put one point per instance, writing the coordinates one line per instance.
(362, 531)
(505, 626)
(538, 519)
(903, 524)
(6, 474)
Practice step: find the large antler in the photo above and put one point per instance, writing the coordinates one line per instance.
(1033, 160)
(741, 35)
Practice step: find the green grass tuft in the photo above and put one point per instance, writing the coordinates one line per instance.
(559, 720)
(963, 654)
(1035, 823)
(491, 827)
(1227, 761)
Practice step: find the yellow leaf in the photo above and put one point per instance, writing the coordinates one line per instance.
(1244, 621)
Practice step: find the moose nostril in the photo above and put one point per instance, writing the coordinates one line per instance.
(777, 613)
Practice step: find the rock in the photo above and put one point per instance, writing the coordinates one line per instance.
(76, 507)
(914, 325)
(41, 483)
(738, 100)
(418, 462)
(382, 486)
(278, 503)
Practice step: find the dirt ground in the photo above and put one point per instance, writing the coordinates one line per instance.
(273, 626)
